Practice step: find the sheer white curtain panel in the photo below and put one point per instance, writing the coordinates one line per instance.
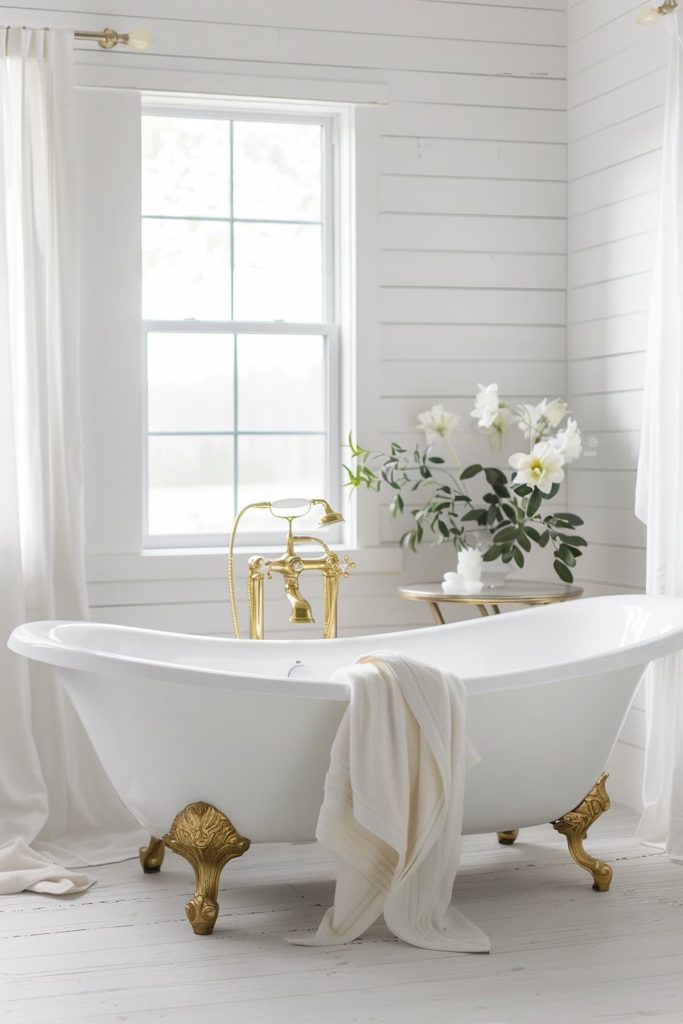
(659, 492)
(54, 794)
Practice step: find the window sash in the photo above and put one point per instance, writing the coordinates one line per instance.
(332, 486)
(250, 112)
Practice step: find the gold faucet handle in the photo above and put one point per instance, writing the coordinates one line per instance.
(259, 566)
(346, 566)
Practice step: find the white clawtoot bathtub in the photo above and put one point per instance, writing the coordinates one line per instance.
(247, 725)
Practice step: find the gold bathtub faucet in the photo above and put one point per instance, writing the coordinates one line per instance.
(290, 565)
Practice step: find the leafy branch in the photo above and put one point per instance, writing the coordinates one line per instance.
(511, 512)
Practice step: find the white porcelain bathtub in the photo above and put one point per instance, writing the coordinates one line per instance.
(247, 726)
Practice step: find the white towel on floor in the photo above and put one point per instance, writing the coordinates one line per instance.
(22, 868)
(393, 806)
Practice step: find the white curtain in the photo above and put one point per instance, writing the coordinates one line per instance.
(53, 791)
(659, 493)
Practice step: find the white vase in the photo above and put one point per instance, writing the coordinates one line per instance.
(493, 574)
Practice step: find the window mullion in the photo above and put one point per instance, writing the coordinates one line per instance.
(239, 326)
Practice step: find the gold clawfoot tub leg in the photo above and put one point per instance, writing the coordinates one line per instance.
(508, 837)
(575, 824)
(152, 855)
(208, 840)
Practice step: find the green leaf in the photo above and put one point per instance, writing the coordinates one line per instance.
(522, 490)
(518, 557)
(505, 534)
(577, 542)
(445, 532)
(470, 471)
(435, 458)
(565, 555)
(397, 505)
(569, 519)
(495, 551)
(495, 476)
(524, 541)
(534, 503)
(507, 556)
(355, 450)
(544, 538)
(534, 534)
(472, 515)
(562, 571)
(491, 516)
(554, 490)
(490, 499)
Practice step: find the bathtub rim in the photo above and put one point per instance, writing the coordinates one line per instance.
(36, 640)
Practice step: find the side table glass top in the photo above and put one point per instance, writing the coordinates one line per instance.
(528, 592)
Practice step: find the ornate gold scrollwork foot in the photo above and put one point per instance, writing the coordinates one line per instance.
(508, 837)
(152, 855)
(575, 824)
(208, 840)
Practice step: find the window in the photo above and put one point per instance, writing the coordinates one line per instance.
(241, 341)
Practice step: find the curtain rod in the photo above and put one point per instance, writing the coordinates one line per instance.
(138, 39)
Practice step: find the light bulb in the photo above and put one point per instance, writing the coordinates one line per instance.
(139, 39)
(647, 15)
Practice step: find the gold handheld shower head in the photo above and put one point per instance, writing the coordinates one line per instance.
(329, 516)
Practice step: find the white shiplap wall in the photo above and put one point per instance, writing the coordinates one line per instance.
(470, 179)
(615, 108)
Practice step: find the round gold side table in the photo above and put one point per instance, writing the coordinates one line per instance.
(489, 600)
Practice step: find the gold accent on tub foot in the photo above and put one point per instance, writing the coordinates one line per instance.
(575, 824)
(208, 840)
(508, 837)
(152, 855)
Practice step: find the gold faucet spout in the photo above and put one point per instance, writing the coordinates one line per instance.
(301, 609)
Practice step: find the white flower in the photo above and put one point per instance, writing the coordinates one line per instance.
(470, 563)
(536, 421)
(541, 468)
(531, 418)
(489, 412)
(555, 412)
(567, 442)
(437, 422)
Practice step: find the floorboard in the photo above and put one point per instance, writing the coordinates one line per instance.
(562, 954)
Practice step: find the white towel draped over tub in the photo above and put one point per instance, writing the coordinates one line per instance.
(393, 806)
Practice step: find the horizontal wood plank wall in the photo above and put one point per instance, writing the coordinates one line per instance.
(614, 120)
(471, 187)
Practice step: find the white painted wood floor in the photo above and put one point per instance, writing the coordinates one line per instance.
(561, 953)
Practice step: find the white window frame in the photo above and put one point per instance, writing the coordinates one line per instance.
(329, 328)
(109, 103)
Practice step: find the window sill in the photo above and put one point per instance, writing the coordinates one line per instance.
(211, 563)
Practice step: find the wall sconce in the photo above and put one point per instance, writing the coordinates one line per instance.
(649, 14)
